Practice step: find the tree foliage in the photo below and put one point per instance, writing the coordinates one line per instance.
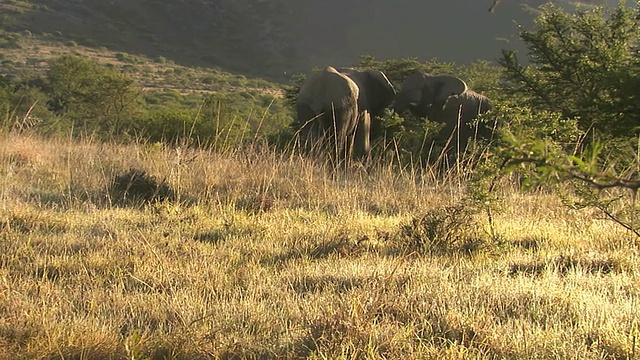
(577, 118)
(97, 97)
(584, 65)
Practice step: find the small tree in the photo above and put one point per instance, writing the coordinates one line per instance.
(585, 66)
(96, 97)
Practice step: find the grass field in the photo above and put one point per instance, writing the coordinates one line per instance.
(258, 255)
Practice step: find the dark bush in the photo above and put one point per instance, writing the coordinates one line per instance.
(136, 186)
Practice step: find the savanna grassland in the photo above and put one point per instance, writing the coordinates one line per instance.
(151, 210)
(260, 255)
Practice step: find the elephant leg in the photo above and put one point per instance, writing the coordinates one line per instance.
(330, 136)
(308, 132)
(362, 146)
(344, 123)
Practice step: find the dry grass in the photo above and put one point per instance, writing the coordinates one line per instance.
(262, 255)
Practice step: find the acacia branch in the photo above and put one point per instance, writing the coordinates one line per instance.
(617, 220)
(632, 185)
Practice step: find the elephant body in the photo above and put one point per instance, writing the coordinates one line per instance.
(343, 103)
(445, 99)
(327, 111)
(458, 115)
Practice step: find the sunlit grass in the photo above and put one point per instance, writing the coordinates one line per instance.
(265, 255)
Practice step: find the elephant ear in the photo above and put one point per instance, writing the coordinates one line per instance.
(380, 92)
(445, 85)
(382, 81)
(342, 88)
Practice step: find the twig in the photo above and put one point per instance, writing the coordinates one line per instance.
(494, 5)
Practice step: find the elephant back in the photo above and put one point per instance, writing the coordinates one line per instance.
(328, 89)
(466, 107)
(327, 109)
(472, 104)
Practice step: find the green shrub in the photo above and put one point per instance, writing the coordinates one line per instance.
(579, 112)
(95, 97)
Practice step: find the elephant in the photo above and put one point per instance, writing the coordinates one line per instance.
(331, 92)
(327, 112)
(445, 98)
(376, 94)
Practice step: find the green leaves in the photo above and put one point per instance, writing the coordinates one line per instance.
(577, 123)
(95, 96)
(583, 65)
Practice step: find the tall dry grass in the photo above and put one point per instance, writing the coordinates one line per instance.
(262, 255)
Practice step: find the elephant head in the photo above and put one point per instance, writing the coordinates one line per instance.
(445, 99)
(421, 93)
(327, 111)
(376, 95)
(376, 91)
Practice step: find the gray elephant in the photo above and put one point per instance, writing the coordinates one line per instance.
(325, 107)
(327, 110)
(445, 99)
(376, 94)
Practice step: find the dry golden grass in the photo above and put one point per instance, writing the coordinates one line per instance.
(264, 256)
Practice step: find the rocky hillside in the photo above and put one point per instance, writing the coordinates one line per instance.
(275, 38)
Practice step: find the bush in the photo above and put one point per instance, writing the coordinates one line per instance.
(446, 230)
(138, 187)
(95, 97)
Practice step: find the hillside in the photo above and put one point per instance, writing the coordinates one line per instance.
(273, 39)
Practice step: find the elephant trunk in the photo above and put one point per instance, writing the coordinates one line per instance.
(399, 105)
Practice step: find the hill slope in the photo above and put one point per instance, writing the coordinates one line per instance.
(271, 38)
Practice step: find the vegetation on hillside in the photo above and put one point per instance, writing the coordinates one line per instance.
(122, 97)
